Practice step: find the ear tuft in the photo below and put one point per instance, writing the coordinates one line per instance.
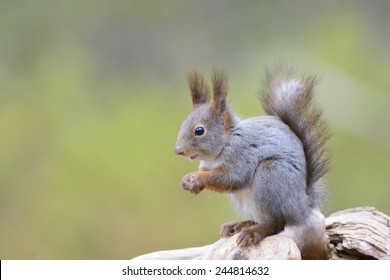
(219, 80)
(200, 92)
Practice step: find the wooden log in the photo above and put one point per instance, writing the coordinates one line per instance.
(273, 247)
(358, 233)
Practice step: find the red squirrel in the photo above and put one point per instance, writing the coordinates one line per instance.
(270, 165)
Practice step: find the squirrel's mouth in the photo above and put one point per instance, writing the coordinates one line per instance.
(194, 157)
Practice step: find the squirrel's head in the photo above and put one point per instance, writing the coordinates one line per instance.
(205, 132)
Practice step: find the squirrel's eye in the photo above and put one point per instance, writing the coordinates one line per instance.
(199, 131)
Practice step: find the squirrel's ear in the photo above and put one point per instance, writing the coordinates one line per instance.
(200, 92)
(220, 89)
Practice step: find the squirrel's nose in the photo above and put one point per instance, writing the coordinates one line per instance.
(179, 151)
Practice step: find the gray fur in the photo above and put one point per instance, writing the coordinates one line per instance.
(273, 170)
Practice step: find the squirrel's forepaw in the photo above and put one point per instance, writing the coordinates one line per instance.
(190, 182)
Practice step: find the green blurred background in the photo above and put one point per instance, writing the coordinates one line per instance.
(92, 94)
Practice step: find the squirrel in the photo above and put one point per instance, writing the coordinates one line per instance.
(271, 165)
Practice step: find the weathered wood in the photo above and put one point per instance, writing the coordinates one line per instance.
(358, 233)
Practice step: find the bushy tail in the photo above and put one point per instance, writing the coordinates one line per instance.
(291, 99)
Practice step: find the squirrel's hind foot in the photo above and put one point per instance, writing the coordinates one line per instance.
(252, 235)
(232, 228)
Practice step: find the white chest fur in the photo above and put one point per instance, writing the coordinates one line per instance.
(245, 204)
(206, 164)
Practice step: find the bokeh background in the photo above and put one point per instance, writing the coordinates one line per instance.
(92, 94)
